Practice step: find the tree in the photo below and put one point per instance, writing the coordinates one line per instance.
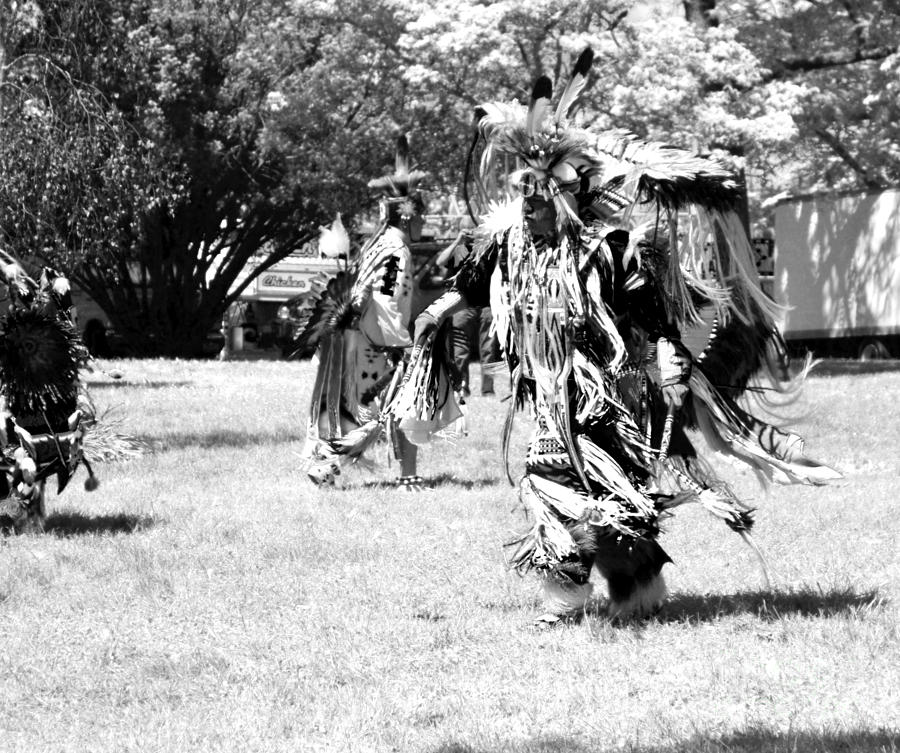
(179, 149)
(464, 52)
(839, 60)
(805, 91)
(164, 152)
(804, 94)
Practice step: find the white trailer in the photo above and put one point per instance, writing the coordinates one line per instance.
(837, 268)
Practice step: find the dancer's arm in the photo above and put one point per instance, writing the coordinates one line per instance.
(430, 319)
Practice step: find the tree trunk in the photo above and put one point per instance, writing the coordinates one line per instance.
(701, 13)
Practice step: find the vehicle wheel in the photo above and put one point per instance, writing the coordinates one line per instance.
(873, 350)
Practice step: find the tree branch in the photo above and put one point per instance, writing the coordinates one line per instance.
(786, 67)
(841, 151)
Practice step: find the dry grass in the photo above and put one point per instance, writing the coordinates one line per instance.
(206, 598)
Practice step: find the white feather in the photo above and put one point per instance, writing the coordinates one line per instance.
(334, 242)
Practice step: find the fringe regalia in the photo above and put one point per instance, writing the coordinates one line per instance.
(45, 409)
(613, 248)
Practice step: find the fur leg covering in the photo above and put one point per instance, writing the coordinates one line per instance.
(563, 599)
(633, 572)
(644, 600)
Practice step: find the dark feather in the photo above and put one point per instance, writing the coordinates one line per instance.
(402, 156)
(575, 86)
(739, 350)
(539, 107)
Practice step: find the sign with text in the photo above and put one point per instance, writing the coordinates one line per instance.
(285, 281)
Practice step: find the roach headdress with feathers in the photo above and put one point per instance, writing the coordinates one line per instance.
(401, 194)
(569, 176)
(554, 158)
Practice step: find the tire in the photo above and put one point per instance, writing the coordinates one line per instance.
(873, 349)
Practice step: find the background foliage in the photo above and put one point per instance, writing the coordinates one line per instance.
(158, 150)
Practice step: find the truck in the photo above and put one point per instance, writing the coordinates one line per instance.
(836, 269)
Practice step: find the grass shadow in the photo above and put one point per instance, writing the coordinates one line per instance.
(66, 524)
(744, 741)
(211, 439)
(147, 385)
(431, 482)
(767, 605)
(850, 366)
(448, 479)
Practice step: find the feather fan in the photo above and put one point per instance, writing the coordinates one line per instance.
(324, 308)
(39, 360)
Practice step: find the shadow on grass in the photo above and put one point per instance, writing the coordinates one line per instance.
(749, 741)
(434, 482)
(448, 479)
(212, 439)
(65, 524)
(768, 605)
(845, 366)
(147, 385)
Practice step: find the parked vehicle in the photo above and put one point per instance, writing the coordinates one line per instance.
(837, 267)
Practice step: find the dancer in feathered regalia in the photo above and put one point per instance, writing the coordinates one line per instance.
(613, 247)
(45, 412)
(360, 324)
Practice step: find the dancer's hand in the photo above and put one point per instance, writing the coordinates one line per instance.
(674, 395)
(425, 325)
(675, 366)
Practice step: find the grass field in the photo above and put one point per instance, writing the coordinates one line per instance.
(206, 598)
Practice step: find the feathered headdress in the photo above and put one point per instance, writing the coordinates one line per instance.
(401, 195)
(403, 181)
(553, 158)
(624, 181)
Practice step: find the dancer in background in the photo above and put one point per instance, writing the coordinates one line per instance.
(473, 325)
(360, 323)
(44, 409)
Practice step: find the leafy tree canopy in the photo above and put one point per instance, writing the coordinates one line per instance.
(160, 150)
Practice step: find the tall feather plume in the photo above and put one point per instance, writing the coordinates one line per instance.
(575, 87)
(539, 107)
(402, 157)
(403, 181)
(471, 173)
